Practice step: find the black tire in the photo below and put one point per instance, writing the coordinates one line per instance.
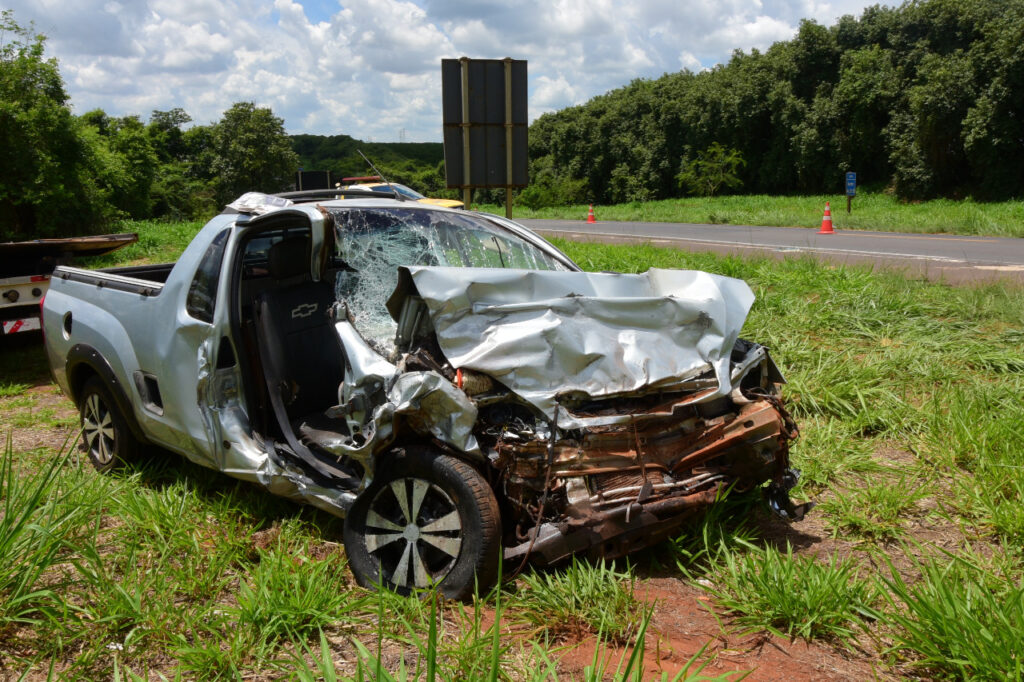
(453, 540)
(106, 437)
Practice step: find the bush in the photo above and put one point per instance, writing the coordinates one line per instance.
(554, 192)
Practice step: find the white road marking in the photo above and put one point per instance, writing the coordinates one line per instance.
(781, 249)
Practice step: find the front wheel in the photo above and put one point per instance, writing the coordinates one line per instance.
(105, 433)
(426, 520)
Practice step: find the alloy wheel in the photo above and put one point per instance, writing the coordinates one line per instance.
(98, 429)
(414, 531)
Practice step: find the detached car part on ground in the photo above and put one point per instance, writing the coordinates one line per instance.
(448, 381)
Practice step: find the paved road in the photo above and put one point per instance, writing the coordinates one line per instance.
(949, 258)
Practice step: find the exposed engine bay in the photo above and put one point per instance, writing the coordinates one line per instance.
(600, 427)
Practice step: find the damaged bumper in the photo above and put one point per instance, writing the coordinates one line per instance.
(616, 491)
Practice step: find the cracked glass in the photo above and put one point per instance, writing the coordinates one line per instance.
(374, 242)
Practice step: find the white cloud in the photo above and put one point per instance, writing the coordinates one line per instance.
(551, 94)
(688, 60)
(758, 31)
(371, 69)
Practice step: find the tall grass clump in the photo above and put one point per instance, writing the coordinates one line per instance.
(470, 651)
(630, 666)
(837, 383)
(40, 515)
(291, 595)
(582, 597)
(791, 596)
(725, 527)
(957, 621)
(975, 429)
(11, 388)
(437, 643)
(829, 451)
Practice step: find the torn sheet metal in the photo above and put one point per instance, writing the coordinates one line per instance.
(258, 203)
(434, 406)
(553, 336)
(247, 458)
(372, 393)
(367, 377)
(430, 403)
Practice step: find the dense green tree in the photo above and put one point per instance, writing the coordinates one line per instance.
(46, 187)
(925, 99)
(127, 164)
(177, 191)
(993, 129)
(712, 170)
(250, 152)
(166, 135)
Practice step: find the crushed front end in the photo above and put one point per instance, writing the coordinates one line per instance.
(607, 491)
(610, 408)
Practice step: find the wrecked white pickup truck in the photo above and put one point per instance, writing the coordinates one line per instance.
(449, 382)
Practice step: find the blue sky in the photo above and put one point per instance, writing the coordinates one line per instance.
(372, 69)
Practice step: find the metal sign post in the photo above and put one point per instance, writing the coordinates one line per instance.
(467, 185)
(508, 136)
(851, 190)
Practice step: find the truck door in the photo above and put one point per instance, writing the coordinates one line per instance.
(228, 380)
(172, 385)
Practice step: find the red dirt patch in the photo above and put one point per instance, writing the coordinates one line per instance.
(683, 623)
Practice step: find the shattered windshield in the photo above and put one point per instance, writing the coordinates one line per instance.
(373, 242)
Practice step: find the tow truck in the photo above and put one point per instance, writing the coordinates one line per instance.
(25, 269)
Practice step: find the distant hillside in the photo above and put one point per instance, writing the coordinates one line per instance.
(337, 153)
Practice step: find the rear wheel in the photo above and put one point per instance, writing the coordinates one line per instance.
(426, 520)
(105, 433)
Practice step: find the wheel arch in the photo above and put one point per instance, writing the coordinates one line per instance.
(85, 362)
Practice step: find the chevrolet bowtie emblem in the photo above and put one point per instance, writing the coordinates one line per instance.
(304, 310)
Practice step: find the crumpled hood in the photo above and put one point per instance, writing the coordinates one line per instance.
(546, 334)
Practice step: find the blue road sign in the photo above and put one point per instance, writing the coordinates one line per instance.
(851, 184)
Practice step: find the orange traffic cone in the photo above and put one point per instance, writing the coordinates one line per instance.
(826, 221)
(590, 215)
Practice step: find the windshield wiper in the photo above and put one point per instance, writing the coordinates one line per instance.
(498, 246)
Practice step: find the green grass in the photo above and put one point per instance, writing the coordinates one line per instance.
(830, 451)
(38, 515)
(958, 621)
(293, 595)
(11, 388)
(908, 397)
(880, 212)
(792, 596)
(876, 509)
(582, 597)
(159, 242)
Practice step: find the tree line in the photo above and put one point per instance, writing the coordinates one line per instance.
(419, 165)
(62, 174)
(925, 100)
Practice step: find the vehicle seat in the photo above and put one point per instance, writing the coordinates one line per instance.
(301, 355)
